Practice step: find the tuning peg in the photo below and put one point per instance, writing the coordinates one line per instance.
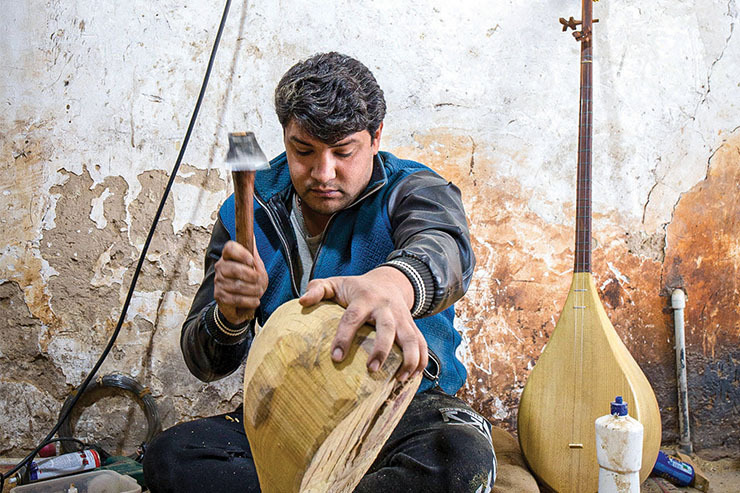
(582, 36)
(570, 23)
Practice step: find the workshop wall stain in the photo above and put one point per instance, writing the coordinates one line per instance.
(703, 258)
(165, 269)
(22, 365)
(95, 266)
(89, 257)
(23, 203)
(521, 276)
(525, 266)
(74, 249)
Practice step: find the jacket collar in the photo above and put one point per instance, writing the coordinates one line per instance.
(378, 179)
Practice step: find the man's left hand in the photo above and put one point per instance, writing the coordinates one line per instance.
(383, 297)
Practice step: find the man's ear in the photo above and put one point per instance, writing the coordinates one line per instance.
(375, 139)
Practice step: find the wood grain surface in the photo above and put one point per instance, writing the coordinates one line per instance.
(315, 425)
(585, 365)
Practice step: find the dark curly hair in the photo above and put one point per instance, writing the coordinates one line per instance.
(330, 96)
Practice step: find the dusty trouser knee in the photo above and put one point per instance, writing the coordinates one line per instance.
(440, 445)
(210, 454)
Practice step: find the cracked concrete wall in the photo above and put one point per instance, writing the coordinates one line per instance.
(97, 97)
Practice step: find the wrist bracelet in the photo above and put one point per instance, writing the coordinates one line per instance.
(222, 326)
(417, 283)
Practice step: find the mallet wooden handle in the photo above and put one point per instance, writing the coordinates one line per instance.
(244, 208)
(244, 205)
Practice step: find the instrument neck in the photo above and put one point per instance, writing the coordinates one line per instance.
(585, 131)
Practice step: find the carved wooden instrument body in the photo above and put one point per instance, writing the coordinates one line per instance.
(585, 364)
(315, 425)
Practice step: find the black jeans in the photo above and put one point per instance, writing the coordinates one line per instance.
(440, 445)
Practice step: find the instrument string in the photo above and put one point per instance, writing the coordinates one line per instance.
(583, 235)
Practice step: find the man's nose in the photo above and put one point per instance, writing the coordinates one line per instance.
(324, 170)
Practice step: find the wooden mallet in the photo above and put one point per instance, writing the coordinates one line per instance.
(245, 158)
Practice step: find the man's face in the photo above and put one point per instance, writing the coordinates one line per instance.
(329, 177)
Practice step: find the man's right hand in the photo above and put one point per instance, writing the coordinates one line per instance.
(240, 282)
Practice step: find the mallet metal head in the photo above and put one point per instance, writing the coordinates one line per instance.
(245, 153)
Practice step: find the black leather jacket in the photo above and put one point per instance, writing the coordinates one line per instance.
(430, 234)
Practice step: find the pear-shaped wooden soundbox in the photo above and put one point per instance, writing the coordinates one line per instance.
(315, 425)
(585, 365)
(583, 368)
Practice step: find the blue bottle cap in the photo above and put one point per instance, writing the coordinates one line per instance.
(619, 407)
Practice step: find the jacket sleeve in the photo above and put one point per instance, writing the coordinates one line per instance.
(432, 241)
(212, 347)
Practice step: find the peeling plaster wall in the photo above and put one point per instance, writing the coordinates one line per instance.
(96, 98)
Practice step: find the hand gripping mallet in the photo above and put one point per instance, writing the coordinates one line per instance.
(245, 158)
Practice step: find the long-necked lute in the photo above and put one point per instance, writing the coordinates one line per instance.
(585, 364)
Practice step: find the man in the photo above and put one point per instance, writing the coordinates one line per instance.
(337, 219)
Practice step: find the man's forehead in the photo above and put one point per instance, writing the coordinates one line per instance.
(296, 133)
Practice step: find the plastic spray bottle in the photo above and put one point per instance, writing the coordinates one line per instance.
(58, 466)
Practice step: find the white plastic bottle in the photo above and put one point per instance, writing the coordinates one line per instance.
(619, 450)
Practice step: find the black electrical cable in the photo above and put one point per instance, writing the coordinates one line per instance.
(144, 250)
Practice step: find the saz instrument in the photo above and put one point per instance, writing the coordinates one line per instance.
(585, 364)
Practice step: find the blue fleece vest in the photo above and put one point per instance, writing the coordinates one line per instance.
(358, 239)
